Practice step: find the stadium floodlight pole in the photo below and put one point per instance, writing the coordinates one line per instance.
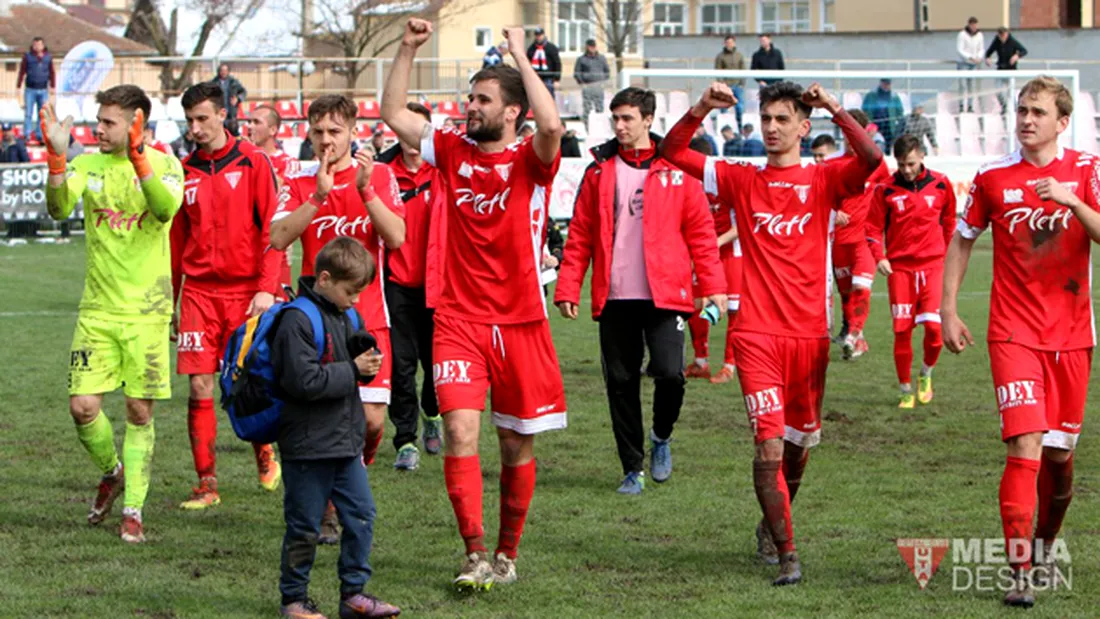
(1073, 76)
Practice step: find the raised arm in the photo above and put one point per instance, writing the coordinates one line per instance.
(548, 127)
(408, 125)
(674, 147)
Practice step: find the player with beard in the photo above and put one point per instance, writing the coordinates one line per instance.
(783, 210)
(346, 196)
(491, 328)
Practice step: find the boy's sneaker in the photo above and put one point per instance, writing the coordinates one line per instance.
(725, 375)
(504, 569)
(476, 573)
(433, 434)
(306, 609)
(110, 486)
(408, 458)
(660, 458)
(924, 389)
(203, 497)
(697, 371)
(268, 469)
(131, 529)
(330, 527)
(363, 606)
(633, 483)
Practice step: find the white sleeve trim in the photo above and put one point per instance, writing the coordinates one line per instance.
(427, 147)
(968, 231)
(710, 176)
(279, 215)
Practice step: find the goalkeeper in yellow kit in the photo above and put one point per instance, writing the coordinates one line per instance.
(130, 195)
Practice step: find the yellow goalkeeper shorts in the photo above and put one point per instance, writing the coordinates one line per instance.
(108, 354)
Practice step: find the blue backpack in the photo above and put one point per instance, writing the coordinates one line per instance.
(248, 376)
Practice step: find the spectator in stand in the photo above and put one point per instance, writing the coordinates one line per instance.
(570, 145)
(749, 146)
(876, 136)
(1009, 52)
(731, 59)
(970, 48)
(12, 149)
(76, 149)
(730, 142)
(591, 72)
(545, 59)
(921, 126)
(495, 55)
(767, 58)
(37, 69)
(701, 133)
(378, 140)
(305, 151)
(233, 93)
(883, 106)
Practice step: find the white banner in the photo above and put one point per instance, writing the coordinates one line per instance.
(960, 170)
(82, 73)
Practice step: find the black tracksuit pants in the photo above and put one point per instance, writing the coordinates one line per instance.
(411, 327)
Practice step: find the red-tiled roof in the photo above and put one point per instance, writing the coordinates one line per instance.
(61, 31)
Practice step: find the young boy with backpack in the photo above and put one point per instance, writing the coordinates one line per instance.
(322, 429)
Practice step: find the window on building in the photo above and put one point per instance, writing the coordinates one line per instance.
(668, 19)
(624, 22)
(828, 16)
(483, 38)
(784, 16)
(574, 25)
(723, 18)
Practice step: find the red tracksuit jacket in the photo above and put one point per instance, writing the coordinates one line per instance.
(678, 230)
(221, 234)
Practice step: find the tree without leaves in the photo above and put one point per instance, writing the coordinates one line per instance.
(619, 23)
(147, 26)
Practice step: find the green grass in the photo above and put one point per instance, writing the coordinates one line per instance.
(685, 548)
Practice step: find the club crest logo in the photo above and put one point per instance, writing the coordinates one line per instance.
(923, 557)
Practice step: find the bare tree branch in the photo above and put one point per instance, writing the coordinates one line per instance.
(619, 23)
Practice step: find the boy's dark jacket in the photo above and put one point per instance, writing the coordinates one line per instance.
(322, 415)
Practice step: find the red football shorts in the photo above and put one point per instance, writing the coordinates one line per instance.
(377, 391)
(517, 362)
(915, 297)
(206, 322)
(1041, 391)
(732, 266)
(783, 379)
(853, 262)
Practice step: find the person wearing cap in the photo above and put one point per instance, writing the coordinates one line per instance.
(883, 107)
(970, 49)
(545, 59)
(12, 149)
(919, 125)
(591, 72)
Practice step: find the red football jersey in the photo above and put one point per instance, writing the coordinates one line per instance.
(418, 189)
(857, 206)
(343, 213)
(284, 164)
(497, 208)
(782, 217)
(1042, 272)
(723, 223)
(917, 218)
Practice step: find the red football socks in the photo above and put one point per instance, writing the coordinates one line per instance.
(1055, 494)
(775, 502)
(903, 356)
(370, 447)
(700, 331)
(464, 487)
(1018, 499)
(860, 304)
(933, 343)
(517, 486)
(202, 426)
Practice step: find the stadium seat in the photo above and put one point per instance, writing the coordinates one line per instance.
(599, 129)
(946, 103)
(970, 131)
(301, 130)
(946, 134)
(364, 131)
(662, 105)
(995, 134)
(989, 104)
(174, 109)
(305, 108)
(84, 135)
(452, 109)
(369, 109)
(678, 103)
(288, 109)
(38, 155)
(286, 130)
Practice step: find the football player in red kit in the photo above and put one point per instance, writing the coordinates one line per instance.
(783, 211)
(915, 212)
(263, 127)
(220, 243)
(1041, 202)
(491, 327)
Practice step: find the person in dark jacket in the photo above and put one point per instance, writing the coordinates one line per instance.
(37, 71)
(767, 58)
(1009, 52)
(641, 223)
(730, 59)
(322, 431)
(234, 94)
(12, 149)
(545, 59)
(591, 72)
(570, 145)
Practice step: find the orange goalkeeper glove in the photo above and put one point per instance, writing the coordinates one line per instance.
(137, 146)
